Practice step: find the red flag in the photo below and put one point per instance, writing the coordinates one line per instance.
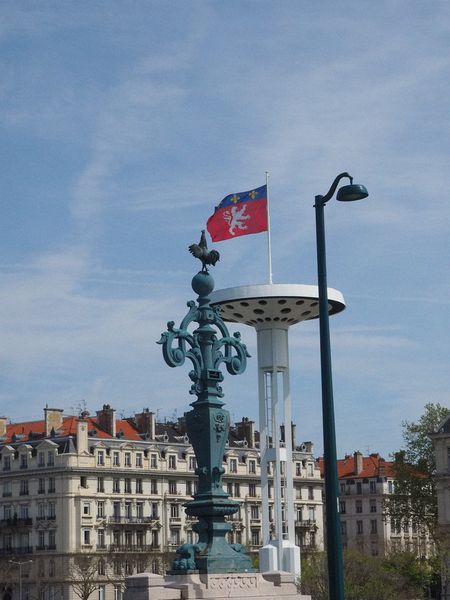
(239, 214)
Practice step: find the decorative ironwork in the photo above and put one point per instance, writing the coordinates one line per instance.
(207, 347)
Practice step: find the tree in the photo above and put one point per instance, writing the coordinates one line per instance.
(399, 576)
(83, 574)
(414, 466)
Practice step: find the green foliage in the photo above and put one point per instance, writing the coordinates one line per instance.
(415, 493)
(399, 576)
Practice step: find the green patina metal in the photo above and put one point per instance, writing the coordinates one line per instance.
(207, 426)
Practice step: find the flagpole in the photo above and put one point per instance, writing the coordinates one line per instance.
(269, 241)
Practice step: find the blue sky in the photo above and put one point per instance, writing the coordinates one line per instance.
(124, 123)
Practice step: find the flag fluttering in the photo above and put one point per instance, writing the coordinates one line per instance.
(239, 214)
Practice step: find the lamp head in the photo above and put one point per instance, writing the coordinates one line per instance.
(351, 192)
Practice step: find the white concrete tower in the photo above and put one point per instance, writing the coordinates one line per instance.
(271, 309)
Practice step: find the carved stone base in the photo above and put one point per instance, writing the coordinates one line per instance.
(245, 586)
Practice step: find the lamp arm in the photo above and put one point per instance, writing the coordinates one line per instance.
(330, 193)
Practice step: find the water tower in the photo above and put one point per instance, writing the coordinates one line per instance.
(271, 309)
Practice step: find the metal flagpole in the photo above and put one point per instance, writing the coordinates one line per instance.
(269, 241)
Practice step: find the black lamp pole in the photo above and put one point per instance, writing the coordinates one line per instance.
(333, 525)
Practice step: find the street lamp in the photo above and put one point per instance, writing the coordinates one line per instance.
(346, 193)
(20, 563)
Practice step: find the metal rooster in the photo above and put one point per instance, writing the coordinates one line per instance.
(200, 251)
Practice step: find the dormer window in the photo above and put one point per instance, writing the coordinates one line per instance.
(24, 461)
(128, 459)
(6, 463)
(41, 459)
(101, 458)
(51, 458)
(116, 459)
(172, 461)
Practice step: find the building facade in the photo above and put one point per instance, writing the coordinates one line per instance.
(86, 501)
(365, 481)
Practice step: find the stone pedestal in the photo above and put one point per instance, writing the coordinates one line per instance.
(245, 586)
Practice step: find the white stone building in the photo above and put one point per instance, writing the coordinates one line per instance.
(364, 482)
(114, 489)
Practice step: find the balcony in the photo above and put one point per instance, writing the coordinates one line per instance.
(15, 522)
(131, 548)
(18, 550)
(175, 520)
(120, 520)
(306, 524)
(46, 547)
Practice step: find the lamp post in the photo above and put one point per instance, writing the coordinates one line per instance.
(20, 563)
(333, 536)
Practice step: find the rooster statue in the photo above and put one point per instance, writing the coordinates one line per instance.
(200, 251)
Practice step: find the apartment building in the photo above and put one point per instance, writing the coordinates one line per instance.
(364, 483)
(114, 490)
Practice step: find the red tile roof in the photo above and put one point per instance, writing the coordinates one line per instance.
(372, 466)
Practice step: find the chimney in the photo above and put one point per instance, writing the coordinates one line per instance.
(146, 423)
(246, 430)
(82, 436)
(381, 467)
(357, 462)
(53, 419)
(106, 419)
(3, 421)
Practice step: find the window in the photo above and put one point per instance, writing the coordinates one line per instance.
(230, 489)
(390, 487)
(51, 458)
(358, 505)
(172, 486)
(252, 466)
(359, 527)
(86, 509)
(101, 566)
(51, 568)
(116, 485)
(255, 537)
(139, 462)
(343, 528)
(312, 513)
(101, 592)
(116, 459)
(155, 539)
(117, 568)
(41, 539)
(24, 487)
(127, 458)
(128, 539)
(254, 512)
(358, 487)
(342, 507)
(86, 537)
(41, 486)
(7, 463)
(174, 536)
(116, 539)
(100, 458)
(140, 509)
(192, 463)
(153, 461)
(174, 511)
(189, 488)
(155, 566)
(310, 492)
(23, 511)
(7, 511)
(138, 486)
(41, 568)
(252, 490)
(83, 481)
(374, 549)
(172, 461)
(310, 470)
(101, 538)
(237, 490)
(233, 465)
(373, 487)
(51, 485)
(128, 510)
(298, 469)
(117, 592)
(51, 539)
(24, 461)
(7, 488)
(153, 486)
(41, 459)
(127, 485)
(116, 509)
(100, 484)
(100, 509)
(128, 568)
(373, 526)
(373, 505)
(154, 510)
(51, 510)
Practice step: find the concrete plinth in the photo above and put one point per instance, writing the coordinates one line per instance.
(245, 586)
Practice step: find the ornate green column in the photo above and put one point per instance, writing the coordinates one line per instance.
(207, 425)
